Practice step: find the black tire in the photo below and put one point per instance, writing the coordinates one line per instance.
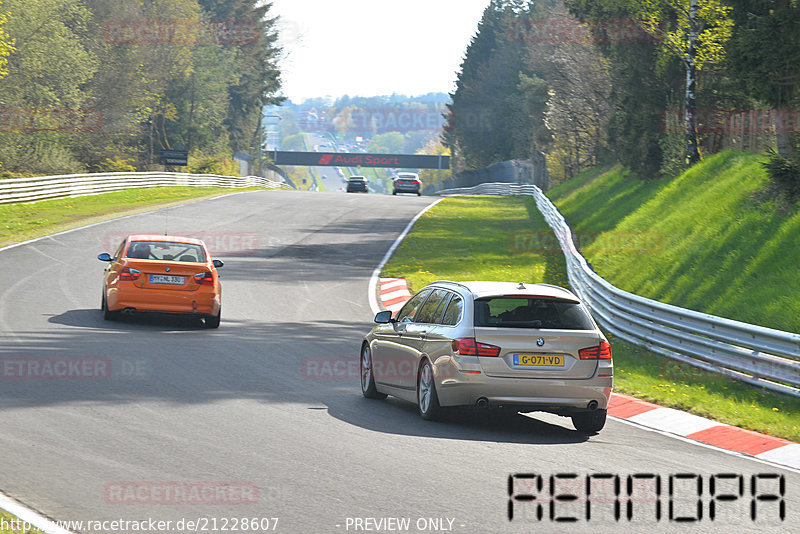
(368, 388)
(213, 322)
(419, 194)
(589, 422)
(428, 404)
(394, 192)
(108, 315)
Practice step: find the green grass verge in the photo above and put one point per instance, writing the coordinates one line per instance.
(19, 222)
(707, 240)
(472, 239)
(12, 520)
(475, 239)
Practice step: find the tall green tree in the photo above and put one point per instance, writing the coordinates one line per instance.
(485, 123)
(696, 33)
(764, 54)
(45, 88)
(642, 82)
(258, 76)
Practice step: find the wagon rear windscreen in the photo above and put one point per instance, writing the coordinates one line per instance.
(531, 312)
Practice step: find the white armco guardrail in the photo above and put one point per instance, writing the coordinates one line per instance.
(754, 354)
(73, 185)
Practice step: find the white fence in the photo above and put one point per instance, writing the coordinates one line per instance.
(73, 185)
(754, 354)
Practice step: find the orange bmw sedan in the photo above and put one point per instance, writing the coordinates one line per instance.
(162, 274)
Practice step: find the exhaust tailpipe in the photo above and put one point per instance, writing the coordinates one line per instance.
(129, 311)
(482, 403)
(592, 405)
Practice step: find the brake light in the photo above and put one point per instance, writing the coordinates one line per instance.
(204, 279)
(129, 274)
(469, 347)
(601, 352)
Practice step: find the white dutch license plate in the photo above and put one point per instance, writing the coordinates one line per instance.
(166, 279)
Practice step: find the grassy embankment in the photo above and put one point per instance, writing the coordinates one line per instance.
(19, 222)
(708, 241)
(630, 231)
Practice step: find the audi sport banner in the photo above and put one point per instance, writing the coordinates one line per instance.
(341, 159)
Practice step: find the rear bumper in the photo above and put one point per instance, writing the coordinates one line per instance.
(181, 302)
(456, 388)
(406, 189)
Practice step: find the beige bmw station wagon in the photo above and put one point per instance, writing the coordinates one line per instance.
(492, 345)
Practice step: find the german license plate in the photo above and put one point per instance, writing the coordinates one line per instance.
(546, 360)
(166, 279)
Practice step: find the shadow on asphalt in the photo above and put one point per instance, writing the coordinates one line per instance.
(394, 416)
(176, 360)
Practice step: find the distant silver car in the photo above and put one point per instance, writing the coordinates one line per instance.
(407, 182)
(496, 345)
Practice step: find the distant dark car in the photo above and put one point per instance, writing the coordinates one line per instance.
(407, 182)
(356, 184)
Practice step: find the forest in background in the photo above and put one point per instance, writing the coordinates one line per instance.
(105, 85)
(586, 82)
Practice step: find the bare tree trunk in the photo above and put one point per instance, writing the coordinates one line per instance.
(690, 119)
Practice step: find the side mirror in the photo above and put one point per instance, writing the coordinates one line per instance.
(384, 317)
(217, 263)
(105, 256)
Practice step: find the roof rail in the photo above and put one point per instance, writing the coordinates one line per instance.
(451, 282)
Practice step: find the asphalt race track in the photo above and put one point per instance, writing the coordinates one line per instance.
(265, 414)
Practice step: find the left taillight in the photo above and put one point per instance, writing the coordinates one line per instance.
(129, 274)
(600, 352)
(204, 279)
(469, 347)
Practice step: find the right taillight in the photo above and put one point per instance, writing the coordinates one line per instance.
(469, 347)
(204, 279)
(600, 352)
(129, 274)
